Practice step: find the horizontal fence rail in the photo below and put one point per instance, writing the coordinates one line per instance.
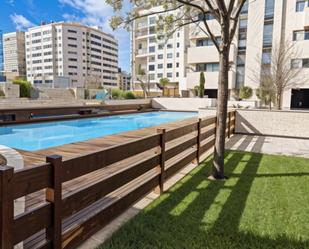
(64, 219)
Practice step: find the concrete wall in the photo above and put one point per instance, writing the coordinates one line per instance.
(183, 104)
(10, 90)
(277, 123)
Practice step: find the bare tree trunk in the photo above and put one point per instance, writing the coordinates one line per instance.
(218, 162)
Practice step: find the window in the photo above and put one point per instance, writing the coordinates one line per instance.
(177, 64)
(169, 75)
(152, 30)
(177, 54)
(160, 75)
(300, 5)
(241, 58)
(169, 45)
(152, 49)
(160, 66)
(160, 56)
(266, 57)
(152, 39)
(269, 9)
(244, 9)
(151, 76)
(300, 35)
(169, 65)
(268, 34)
(177, 74)
(243, 23)
(240, 76)
(169, 55)
(178, 44)
(305, 63)
(151, 67)
(207, 67)
(160, 46)
(296, 63)
(152, 20)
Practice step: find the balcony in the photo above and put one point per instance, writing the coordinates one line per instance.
(211, 79)
(142, 52)
(142, 25)
(207, 54)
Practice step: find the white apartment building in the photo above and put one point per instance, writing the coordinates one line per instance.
(157, 56)
(263, 25)
(14, 55)
(124, 80)
(71, 55)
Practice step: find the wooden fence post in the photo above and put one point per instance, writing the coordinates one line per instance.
(199, 140)
(7, 207)
(162, 159)
(54, 195)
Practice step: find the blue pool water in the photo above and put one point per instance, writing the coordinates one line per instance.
(31, 137)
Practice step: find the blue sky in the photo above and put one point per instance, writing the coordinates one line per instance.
(22, 14)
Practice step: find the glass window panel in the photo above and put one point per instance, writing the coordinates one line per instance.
(300, 5)
(268, 34)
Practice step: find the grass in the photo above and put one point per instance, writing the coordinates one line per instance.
(263, 204)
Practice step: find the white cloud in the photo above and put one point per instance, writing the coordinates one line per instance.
(98, 13)
(21, 22)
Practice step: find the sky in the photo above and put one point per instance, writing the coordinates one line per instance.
(22, 14)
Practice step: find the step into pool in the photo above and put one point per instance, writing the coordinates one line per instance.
(38, 136)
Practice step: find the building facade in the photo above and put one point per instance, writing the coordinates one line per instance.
(124, 80)
(71, 55)
(263, 25)
(155, 56)
(2, 78)
(14, 55)
(1, 52)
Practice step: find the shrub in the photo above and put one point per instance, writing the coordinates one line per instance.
(2, 95)
(129, 95)
(245, 92)
(117, 93)
(24, 88)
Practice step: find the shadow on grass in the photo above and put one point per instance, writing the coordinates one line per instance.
(198, 213)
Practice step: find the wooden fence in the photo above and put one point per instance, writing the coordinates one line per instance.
(65, 221)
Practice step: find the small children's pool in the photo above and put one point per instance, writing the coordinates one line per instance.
(31, 137)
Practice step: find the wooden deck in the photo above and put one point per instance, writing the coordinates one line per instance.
(90, 146)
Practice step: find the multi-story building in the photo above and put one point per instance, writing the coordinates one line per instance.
(1, 58)
(124, 80)
(263, 25)
(156, 56)
(14, 55)
(71, 55)
(1, 52)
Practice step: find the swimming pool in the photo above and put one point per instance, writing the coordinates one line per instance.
(31, 137)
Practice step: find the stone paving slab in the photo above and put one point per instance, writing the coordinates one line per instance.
(270, 145)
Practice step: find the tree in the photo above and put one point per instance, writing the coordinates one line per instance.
(164, 82)
(141, 77)
(278, 74)
(266, 94)
(202, 85)
(196, 90)
(190, 12)
(245, 92)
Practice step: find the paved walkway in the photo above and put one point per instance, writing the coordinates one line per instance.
(270, 145)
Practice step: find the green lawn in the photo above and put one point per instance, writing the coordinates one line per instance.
(263, 204)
